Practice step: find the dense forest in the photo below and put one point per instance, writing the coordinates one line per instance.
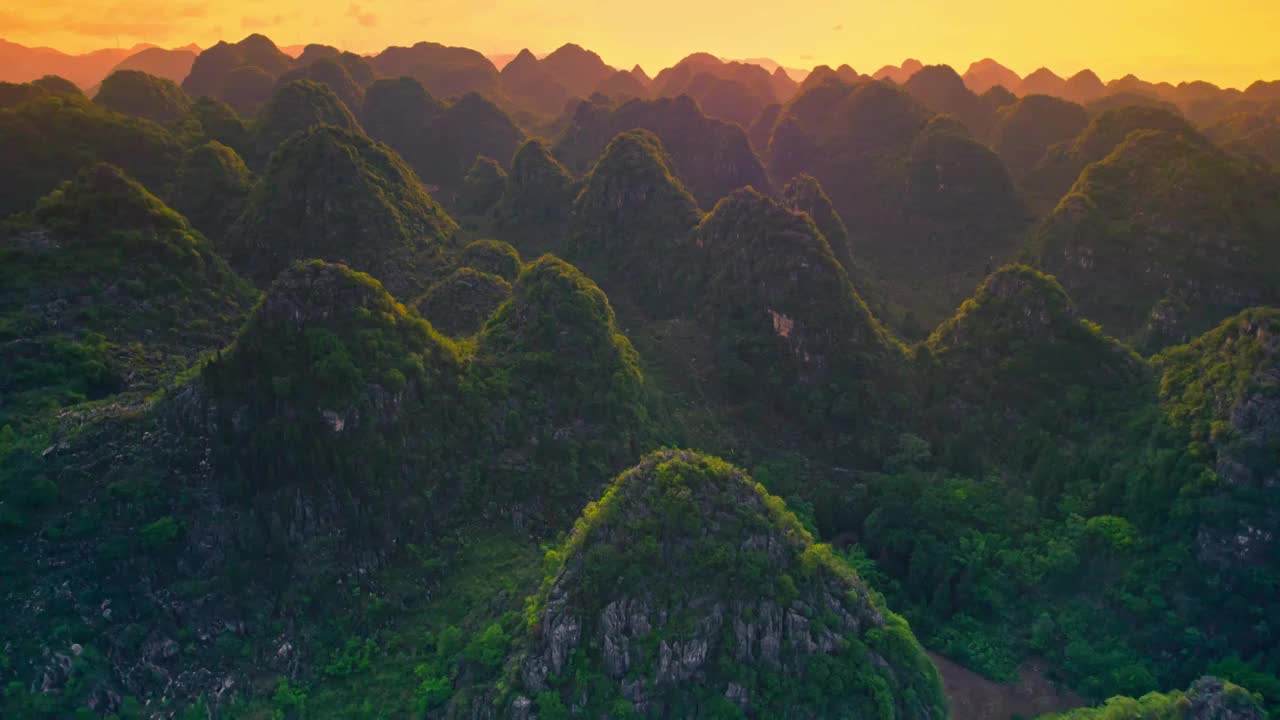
(409, 385)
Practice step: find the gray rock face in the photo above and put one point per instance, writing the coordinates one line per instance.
(1212, 699)
(687, 578)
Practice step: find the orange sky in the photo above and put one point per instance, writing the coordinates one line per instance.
(1230, 42)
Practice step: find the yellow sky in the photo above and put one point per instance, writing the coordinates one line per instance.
(1230, 42)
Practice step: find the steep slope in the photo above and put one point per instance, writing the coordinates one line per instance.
(784, 86)
(441, 142)
(1165, 237)
(1025, 130)
(173, 65)
(294, 107)
(531, 85)
(622, 86)
(396, 110)
(1221, 390)
(1084, 87)
(804, 194)
(711, 157)
(159, 295)
(241, 74)
(459, 304)
(136, 93)
(1062, 164)
(220, 122)
(20, 64)
(579, 70)
(1118, 100)
(493, 257)
(1253, 133)
(987, 73)
(1041, 82)
(631, 223)
(482, 187)
(689, 591)
(444, 71)
(329, 415)
(836, 132)
(336, 195)
(211, 187)
(731, 91)
(927, 206)
(899, 74)
(345, 74)
(1018, 349)
(761, 129)
(940, 88)
(51, 138)
(536, 199)
(787, 325)
(444, 147)
(563, 392)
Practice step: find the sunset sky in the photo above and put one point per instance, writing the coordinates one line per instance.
(1230, 42)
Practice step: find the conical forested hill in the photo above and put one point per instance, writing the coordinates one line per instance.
(136, 93)
(49, 139)
(1165, 237)
(941, 89)
(622, 86)
(482, 187)
(242, 74)
(459, 304)
(294, 107)
(787, 323)
(334, 194)
(211, 188)
(346, 74)
(329, 422)
(689, 591)
(1019, 348)
(929, 208)
(469, 128)
(441, 142)
(578, 69)
(532, 86)
(106, 289)
(395, 111)
(631, 223)
(710, 156)
(443, 70)
(804, 194)
(564, 387)
(493, 257)
(1025, 130)
(865, 120)
(220, 122)
(1060, 167)
(535, 203)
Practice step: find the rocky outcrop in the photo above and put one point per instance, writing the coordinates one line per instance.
(1222, 390)
(646, 600)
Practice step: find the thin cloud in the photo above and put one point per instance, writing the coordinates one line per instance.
(252, 22)
(108, 29)
(14, 23)
(359, 14)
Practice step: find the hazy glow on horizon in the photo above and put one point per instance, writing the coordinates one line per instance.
(1231, 42)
